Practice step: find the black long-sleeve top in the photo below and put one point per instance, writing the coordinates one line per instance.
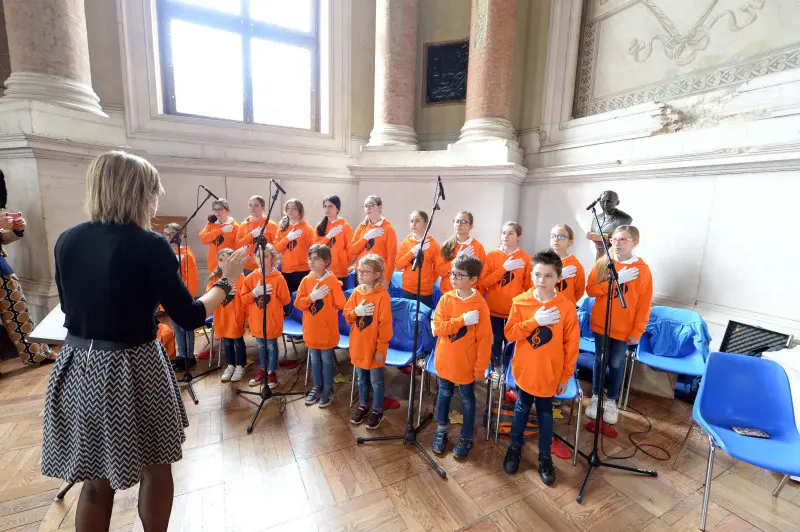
(112, 277)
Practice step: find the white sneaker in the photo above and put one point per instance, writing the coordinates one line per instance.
(238, 374)
(610, 412)
(591, 410)
(228, 373)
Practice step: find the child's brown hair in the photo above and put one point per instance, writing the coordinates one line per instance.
(322, 251)
(217, 273)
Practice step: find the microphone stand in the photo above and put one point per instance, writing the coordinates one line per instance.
(410, 436)
(593, 458)
(188, 378)
(265, 393)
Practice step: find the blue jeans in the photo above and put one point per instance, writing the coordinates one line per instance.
(322, 362)
(375, 378)
(446, 391)
(498, 341)
(425, 300)
(544, 415)
(615, 358)
(271, 350)
(234, 351)
(185, 341)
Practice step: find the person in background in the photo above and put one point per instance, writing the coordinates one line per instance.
(418, 220)
(187, 266)
(295, 236)
(229, 321)
(250, 228)
(375, 235)
(573, 278)
(461, 243)
(334, 231)
(220, 231)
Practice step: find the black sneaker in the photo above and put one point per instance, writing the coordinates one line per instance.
(183, 363)
(359, 415)
(313, 395)
(463, 447)
(440, 441)
(546, 470)
(511, 461)
(374, 420)
(326, 398)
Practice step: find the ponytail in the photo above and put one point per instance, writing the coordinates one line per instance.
(322, 226)
(449, 245)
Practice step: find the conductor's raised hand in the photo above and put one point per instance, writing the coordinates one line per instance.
(233, 265)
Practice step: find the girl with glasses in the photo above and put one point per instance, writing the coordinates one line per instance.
(573, 278)
(461, 243)
(295, 237)
(409, 248)
(375, 235)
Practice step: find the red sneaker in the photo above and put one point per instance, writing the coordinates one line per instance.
(272, 379)
(407, 370)
(205, 355)
(258, 379)
(390, 403)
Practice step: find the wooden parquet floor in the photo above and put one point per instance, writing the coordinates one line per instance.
(303, 471)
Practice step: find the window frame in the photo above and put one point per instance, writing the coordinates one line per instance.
(247, 29)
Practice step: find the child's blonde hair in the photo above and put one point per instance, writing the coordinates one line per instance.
(374, 262)
(602, 263)
(217, 273)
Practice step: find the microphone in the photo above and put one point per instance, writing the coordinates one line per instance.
(209, 192)
(592, 204)
(278, 186)
(441, 187)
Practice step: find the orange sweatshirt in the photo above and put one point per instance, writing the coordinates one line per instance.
(369, 334)
(216, 239)
(502, 286)
(340, 246)
(638, 293)
(385, 246)
(245, 238)
(574, 287)
(294, 256)
(321, 317)
(443, 268)
(229, 317)
(275, 303)
(462, 351)
(544, 356)
(188, 269)
(405, 259)
(166, 335)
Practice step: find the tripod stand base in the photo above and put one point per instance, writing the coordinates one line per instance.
(265, 394)
(188, 379)
(595, 462)
(410, 438)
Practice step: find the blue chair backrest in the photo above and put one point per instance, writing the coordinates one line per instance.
(403, 311)
(740, 390)
(585, 306)
(396, 285)
(351, 281)
(508, 354)
(677, 333)
(344, 327)
(297, 314)
(437, 292)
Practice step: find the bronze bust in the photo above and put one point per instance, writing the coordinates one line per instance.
(610, 219)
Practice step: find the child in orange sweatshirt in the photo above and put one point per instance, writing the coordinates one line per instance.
(627, 324)
(461, 243)
(220, 231)
(295, 236)
(463, 350)
(418, 220)
(273, 295)
(544, 325)
(336, 233)
(229, 321)
(320, 297)
(369, 312)
(573, 277)
(188, 269)
(375, 235)
(250, 228)
(507, 274)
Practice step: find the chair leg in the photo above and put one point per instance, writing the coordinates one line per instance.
(780, 486)
(577, 426)
(352, 387)
(211, 349)
(294, 347)
(630, 381)
(308, 365)
(707, 490)
(683, 445)
(285, 347)
(489, 408)
(421, 390)
(502, 391)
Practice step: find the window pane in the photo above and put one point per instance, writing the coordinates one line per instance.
(208, 71)
(234, 7)
(282, 81)
(294, 14)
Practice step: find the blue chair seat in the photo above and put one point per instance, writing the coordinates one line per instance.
(344, 342)
(430, 365)
(587, 345)
(210, 321)
(572, 390)
(395, 357)
(691, 365)
(292, 328)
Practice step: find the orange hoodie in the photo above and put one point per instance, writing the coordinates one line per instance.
(385, 245)
(216, 239)
(369, 334)
(166, 335)
(443, 268)
(502, 286)
(629, 321)
(405, 260)
(574, 287)
(294, 253)
(229, 317)
(321, 317)
(340, 247)
(544, 356)
(244, 238)
(275, 303)
(462, 352)
(188, 269)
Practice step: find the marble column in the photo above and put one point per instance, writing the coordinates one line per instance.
(49, 54)
(395, 74)
(492, 44)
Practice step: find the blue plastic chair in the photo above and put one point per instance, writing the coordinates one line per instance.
(293, 328)
(574, 393)
(396, 284)
(210, 325)
(749, 392)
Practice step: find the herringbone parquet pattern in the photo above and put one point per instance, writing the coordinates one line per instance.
(303, 471)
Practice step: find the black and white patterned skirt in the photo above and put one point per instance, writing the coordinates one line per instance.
(110, 412)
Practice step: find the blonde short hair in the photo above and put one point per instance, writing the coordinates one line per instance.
(121, 188)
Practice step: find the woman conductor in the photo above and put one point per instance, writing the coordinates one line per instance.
(113, 414)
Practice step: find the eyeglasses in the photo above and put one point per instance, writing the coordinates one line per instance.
(359, 271)
(461, 222)
(615, 240)
(370, 205)
(559, 237)
(458, 276)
